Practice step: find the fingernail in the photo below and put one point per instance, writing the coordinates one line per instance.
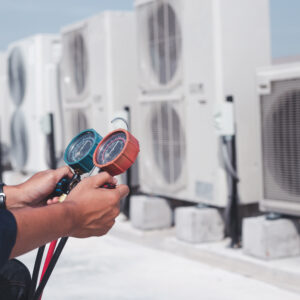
(115, 180)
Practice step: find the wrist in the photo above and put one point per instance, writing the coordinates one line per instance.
(13, 197)
(69, 212)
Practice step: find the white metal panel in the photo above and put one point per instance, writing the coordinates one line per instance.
(219, 56)
(241, 57)
(111, 48)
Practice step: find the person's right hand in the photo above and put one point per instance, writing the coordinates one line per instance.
(94, 209)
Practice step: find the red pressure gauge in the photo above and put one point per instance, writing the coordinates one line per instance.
(116, 152)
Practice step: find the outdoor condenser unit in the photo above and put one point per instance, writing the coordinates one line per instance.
(4, 125)
(98, 70)
(279, 142)
(32, 92)
(195, 58)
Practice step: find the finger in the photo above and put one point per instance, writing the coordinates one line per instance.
(53, 200)
(50, 202)
(101, 178)
(63, 172)
(123, 190)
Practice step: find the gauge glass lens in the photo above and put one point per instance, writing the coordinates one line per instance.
(81, 146)
(111, 148)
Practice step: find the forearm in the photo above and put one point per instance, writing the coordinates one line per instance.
(38, 226)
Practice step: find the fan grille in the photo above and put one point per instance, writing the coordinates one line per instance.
(168, 142)
(79, 121)
(164, 41)
(75, 58)
(281, 141)
(19, 139)
(16, 76)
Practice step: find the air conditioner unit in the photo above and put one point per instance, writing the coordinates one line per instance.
(2, 91)
(195, 58)
(4, 137)
(32, 93)
(278, 143)
(2, 80)
(98, 70)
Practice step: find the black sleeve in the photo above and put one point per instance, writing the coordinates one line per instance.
(8, 233)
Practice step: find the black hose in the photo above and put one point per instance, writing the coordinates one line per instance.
(227, 160)
(1, 158)
(74, 181)
(232, 209)
(36, 271)
(125, 204)
(51, 141)
(234, 212)
(53, 165)
(50, 268)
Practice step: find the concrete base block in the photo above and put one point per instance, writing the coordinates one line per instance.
(270, 239)
(150, 212)
(198, 225)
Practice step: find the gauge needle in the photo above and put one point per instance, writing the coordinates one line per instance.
(78, 153)
(115, 145)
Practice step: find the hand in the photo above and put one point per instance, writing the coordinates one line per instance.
(36, 190)
(94, 209)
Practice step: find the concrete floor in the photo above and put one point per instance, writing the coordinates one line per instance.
(111, 268)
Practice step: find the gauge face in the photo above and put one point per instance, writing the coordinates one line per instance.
(111, 148)
(81, 146)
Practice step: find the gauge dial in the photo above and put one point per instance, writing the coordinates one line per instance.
(81, 146)
(116, 152)
(78, 154)
(111, 148)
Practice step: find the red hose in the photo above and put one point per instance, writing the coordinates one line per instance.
(48, 259)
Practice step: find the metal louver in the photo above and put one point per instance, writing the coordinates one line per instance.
(168, 141)
(19, 139)
(163, 40)
(16, 76)
(280, 112)
(18, 129)
(79, 121)
(75, 64)
(78, 56)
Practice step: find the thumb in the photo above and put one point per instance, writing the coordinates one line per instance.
(123, 190)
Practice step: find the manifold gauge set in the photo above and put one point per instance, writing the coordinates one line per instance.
(114, 153)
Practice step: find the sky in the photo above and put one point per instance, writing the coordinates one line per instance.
(21, 18)
(285, 27)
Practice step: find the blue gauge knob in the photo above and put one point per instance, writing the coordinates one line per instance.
(79, 153)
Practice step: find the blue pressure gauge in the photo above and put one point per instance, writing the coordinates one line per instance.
(79, 153)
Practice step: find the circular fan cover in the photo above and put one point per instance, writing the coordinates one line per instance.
(168, 142)
(19, 140)
(281, 141)
(164, 42)
(79, 61)
(16, 76)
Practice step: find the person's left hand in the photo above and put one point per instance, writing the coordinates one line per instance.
(36, 190)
